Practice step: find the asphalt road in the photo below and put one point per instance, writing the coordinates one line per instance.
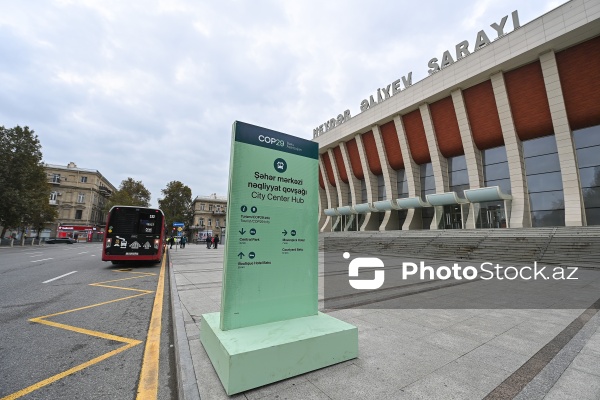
(75, 327)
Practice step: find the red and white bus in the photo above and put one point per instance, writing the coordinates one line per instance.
(134, 233)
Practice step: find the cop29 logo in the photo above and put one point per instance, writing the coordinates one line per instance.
(271, 140)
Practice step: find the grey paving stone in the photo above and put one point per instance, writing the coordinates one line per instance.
(350, 313)
(401, 313)
(277, 389)
(500, 320)
(209, 385)
(589, 350)
(588, 362)
(452, 341)
(430, 355)
(401, 370)
(443, 387)
(557, 316)
(351, 382)
(432, 320)
(364, 327)
(513, 342)
(299, 391)
(537, 330)
(539, 386)
(396, 394)
(497, 357)
(543, 371)
(473, 331)
(482, 376)
(574, 384)
(403, 327)
(594, 344)
(404, 353)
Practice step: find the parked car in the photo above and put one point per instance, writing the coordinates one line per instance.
(61, 240)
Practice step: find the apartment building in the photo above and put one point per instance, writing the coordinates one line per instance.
(210, 214)
(79, 195)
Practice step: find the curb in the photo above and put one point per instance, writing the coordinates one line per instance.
(187, 385)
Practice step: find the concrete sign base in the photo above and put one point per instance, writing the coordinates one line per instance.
(253, 356)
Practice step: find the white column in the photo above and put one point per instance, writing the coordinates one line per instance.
(340, 185)
(353, 182)
(371, 222)
(439, 164)
(472, 153)
(322, 206)
(413, 177)
(329, 193)
(390, 220)
(574, 206)
(520, 216)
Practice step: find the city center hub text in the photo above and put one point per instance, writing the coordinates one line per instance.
(488, 271)
(295, 194)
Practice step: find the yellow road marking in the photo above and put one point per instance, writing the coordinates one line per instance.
(129, 343)
(148, 384)
(68, 372)
(101, 335)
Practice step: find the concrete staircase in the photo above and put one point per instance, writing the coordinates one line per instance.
(548, 246)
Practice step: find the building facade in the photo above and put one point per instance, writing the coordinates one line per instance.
(210, 213)
(80, 196)
(508, 135)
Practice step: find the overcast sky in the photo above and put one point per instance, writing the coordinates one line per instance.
(150, 89)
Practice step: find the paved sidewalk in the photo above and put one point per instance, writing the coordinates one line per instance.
(407, 354)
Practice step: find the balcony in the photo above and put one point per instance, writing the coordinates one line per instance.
(219, 212)
(104, 191)
(54, 181)
(54, 202)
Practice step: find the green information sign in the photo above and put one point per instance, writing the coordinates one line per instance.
(270, 274)
(271, 261)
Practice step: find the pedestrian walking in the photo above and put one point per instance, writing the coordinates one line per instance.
(208, 241)
(183, 241)
(216, 241)
(171, 241)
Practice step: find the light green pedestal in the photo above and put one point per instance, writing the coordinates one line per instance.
(249, 357)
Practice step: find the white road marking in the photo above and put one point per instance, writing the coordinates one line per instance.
(58, 277)
(44, 259)
(85, 252)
